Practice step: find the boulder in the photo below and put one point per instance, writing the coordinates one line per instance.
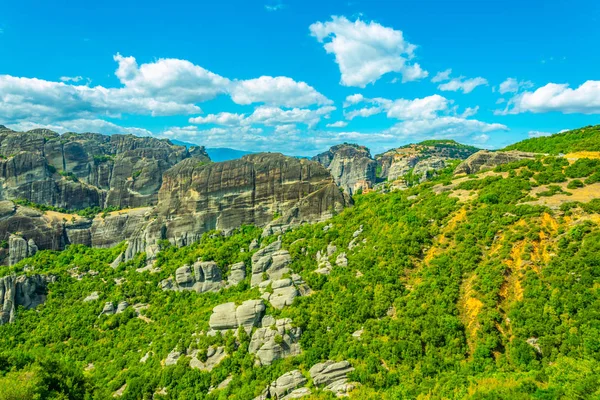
(273, 344)
(109, 308)
(172, 358)
(341, 260)
(229, 317)
(285, 386)
(122, 306)
(214, 356)
(92, 297)
(284, 293)
(201, 277)
(237, 273)
(332, 376)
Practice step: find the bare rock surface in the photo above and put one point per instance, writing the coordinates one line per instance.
(275, 342)
(485, 159)
(22, 291)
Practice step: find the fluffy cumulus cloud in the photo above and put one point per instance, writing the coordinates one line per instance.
(278, 91)
(466, 85)
(555, 97)
(365, 51)
(160, 88)
(269, 116)
(428, 117)
(512, 85)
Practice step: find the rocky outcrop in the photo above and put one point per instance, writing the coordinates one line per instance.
(287, 386)
(214, 355)
(201, 277)
(229, 317)
(422, 160)
(351, 166)
(75, 171)
(485, 159)
(21, 291)
(237, 273)
(332, 376)
(271, 261)
(195, 197)
(274, 340)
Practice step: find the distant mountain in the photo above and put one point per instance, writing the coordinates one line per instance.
(217, 154)
(225, 154)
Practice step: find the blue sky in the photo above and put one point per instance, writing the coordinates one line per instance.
(300, 76)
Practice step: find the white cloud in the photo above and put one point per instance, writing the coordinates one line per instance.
(426, 107)
(501, 100)
(512, 85)
(470, 111)
(223, 118)
(480, 139)
(82, 125)
(444, 127)
(276, 91)
(366, 51)
(74, 79)
(536, 134)
(353, 99)
(274, 7)
(160, 88)
(557, 98)
(269, 116)
(460, 83)
(337, 124)
(442, 76)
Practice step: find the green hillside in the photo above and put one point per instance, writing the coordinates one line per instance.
(485, 287)
(583, 139)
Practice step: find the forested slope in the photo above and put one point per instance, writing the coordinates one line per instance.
(483, 287)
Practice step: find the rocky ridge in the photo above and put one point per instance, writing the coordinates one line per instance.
(351, 166)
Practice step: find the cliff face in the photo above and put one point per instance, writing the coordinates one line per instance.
(25, 291)
(257, 189)
(489, 159)
(76, 171)
(420, 158)
(351, 166)
(268, 190)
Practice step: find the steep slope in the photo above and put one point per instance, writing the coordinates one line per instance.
(482, 286)
(350, 165)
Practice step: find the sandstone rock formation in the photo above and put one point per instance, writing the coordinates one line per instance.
(201, 277)
(485, 159)
(229, 317)
(194, 197)
(237, 273)
(287, 386)
(271, 261)
(274, 341)
(214, 355)
(332, 376)
(421, 158)
(75, 171)
(25, 291)
(350, 165)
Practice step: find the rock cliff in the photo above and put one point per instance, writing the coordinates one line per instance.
(485, 159)
(350, 165)
(421, 158)
(21, 291)
(269, 190)
(76, 171)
